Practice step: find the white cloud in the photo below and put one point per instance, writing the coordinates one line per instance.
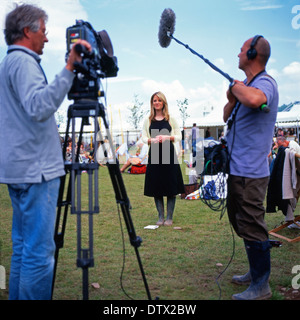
(254, 5)
(219, 62)
(200, 99)
(62, 14)
(5, 7)
(125, 79)
(133, 53)
(292, 70)
(274, 73)
(288, 80)
(173, 90)
(255, 8)
(271, 61)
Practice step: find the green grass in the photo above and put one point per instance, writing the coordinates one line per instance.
(179, 264)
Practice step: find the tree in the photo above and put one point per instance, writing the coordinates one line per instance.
(182, 105)
(137, 113)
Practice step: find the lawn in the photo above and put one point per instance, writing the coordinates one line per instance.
(179, 264)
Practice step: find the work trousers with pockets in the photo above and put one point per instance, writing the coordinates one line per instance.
(245, 207)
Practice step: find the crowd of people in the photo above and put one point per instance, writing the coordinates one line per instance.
(86, 152)
(284, 184)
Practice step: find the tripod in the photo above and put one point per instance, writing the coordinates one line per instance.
(84, 109)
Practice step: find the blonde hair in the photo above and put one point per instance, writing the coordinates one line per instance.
(165, 110)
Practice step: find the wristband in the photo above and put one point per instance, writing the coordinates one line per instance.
(231, 85)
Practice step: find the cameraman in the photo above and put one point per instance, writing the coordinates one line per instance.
(30, 152)
(249, 142)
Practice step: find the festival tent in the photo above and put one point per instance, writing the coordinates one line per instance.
(291, 114)
(289, 117)
(215, 122)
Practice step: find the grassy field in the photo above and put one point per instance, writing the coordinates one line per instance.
(179, 264)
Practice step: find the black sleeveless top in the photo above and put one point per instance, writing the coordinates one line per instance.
(163, 175)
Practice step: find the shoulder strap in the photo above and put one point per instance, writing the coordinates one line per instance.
(237, 106)
(20, 49)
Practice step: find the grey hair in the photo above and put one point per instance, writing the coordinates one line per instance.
(281, 138)
(22, 16)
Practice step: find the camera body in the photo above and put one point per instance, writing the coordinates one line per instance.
(99, 63)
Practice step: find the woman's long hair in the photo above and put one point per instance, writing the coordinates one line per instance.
(165, 107)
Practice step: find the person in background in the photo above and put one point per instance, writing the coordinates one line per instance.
(293, 145)
(207, 133)
(140, 158)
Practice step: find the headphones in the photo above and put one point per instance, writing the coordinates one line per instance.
(252, 53)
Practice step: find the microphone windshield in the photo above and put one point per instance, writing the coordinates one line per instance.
(166, 27)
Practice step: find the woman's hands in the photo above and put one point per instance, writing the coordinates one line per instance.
(161, 139)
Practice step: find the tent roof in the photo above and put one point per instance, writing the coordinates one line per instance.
(214, 119)
(293, 115)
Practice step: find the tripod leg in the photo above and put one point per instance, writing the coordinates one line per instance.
(85, 256)
(61, 221)
(74, 169)
(123, 200)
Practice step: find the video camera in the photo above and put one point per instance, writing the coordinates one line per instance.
(99, 63)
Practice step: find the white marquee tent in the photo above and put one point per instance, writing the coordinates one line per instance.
(214, 121)
(289, 118)
(291, 115)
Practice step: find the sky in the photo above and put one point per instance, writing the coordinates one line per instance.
(215, 29)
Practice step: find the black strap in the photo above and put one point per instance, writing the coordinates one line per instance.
(231, 120)
(20, 49)
(238, 104)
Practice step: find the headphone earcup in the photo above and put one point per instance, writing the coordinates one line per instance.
(251, 53)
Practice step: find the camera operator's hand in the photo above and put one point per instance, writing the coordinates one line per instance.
(74, 56)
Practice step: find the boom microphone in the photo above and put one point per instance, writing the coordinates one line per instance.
(165, 35)
(166, 27)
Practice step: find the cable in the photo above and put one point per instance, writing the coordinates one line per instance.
(124, 255)
(228, 264)
(213, 193)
